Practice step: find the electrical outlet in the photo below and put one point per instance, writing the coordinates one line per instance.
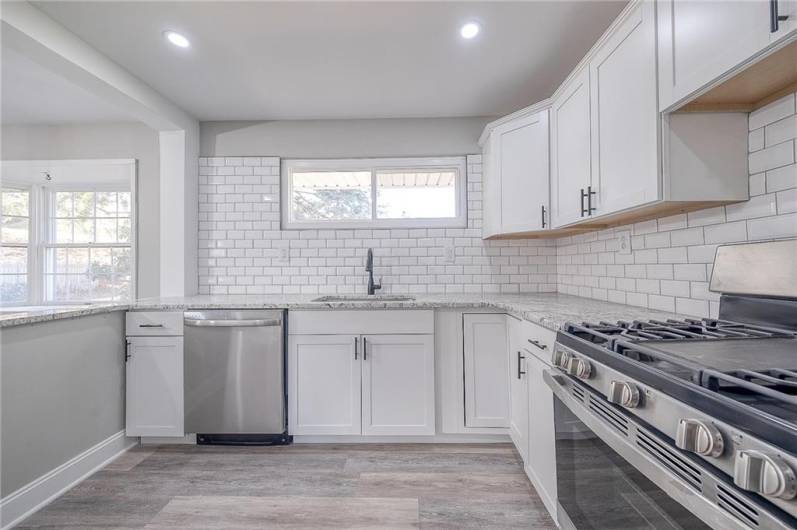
(284, 255)
(623, 242)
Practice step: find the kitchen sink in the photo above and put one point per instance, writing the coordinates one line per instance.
(365, 298)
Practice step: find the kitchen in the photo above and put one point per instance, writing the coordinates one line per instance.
(273, 288)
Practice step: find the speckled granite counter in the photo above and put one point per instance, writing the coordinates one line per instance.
(550, 310)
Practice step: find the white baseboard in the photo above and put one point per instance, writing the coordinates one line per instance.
(35, 495)
(432, 439)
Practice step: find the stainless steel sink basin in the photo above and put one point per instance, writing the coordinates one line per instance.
(365, 298)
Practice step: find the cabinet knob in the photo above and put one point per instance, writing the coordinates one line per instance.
(624, 393)
(763, 473)
(699, 437)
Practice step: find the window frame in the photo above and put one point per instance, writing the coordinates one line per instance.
(375, 165)
(42, 204)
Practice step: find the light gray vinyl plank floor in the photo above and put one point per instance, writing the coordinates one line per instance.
(304, 486)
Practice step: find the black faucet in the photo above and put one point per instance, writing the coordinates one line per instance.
(369, 268)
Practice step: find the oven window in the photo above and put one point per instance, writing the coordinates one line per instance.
(598, 489)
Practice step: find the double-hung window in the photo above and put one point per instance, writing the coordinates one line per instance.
(374, 193)
(67, 232)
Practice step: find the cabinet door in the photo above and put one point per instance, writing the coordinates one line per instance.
(486, 366)
(398, 384)
(323, 384)
(541, 462)
(625, 124)
(518, 390)
(570, 150)
(786, 8)
(699, 41)
(523, 164)
(154, 386)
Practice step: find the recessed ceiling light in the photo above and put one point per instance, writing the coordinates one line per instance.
(469, 30)
(177, 39)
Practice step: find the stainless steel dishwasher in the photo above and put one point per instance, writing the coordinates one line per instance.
(235, 377)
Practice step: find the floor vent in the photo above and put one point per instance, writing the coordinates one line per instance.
(670, 459)
(736, 505)
(611, 417)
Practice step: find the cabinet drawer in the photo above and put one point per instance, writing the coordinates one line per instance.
(537, 340)
(366, 322)
(148, 323)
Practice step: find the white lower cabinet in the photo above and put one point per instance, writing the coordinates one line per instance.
(541, 446)
(398, 384)
(518, 389)
(325, 381)
(356, 383)
(154, 386)
(485, 370)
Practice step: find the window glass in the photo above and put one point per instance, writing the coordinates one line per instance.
(363, 193)
(331, 195)
(416, 194)
(14, 238)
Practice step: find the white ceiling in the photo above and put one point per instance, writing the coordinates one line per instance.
(34, 95)
(297, 60)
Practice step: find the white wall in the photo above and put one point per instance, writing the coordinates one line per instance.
(671, 261)
(240, 242)
(343, 138)
(121, 140)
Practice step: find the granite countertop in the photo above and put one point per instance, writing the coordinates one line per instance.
(550, 310)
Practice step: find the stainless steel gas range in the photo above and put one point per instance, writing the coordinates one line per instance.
(685, 423)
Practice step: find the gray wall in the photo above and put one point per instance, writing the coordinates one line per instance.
(343, 138)
(62, 393)
(122, 140)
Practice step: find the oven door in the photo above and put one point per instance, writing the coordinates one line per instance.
(614, 473)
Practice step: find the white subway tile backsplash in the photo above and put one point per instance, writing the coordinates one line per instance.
(778, 155)
(773, 112)
(676, 279)
(239, 237)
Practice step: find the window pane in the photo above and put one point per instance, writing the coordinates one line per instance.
(63, 204)
(416, 194)
(13, 288)
(83, 230)
(123, 234)
(14, 229)
(124, 202)
(331, 195)
(106, 230)
(106, 204)
(13, 260)
(15, 203)
(84, 203)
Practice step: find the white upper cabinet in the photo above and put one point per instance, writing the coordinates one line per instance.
(516, 175)
(625, 120)
(570, 150)
(701, 41)
(523, 165)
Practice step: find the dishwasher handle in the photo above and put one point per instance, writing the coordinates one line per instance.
(233, 323)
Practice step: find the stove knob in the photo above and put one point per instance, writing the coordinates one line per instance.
(580, 368)
(766, 474)
(559, 358)
(699, 437)
(623, 393)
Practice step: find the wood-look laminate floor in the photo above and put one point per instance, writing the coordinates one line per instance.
(304, 486)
